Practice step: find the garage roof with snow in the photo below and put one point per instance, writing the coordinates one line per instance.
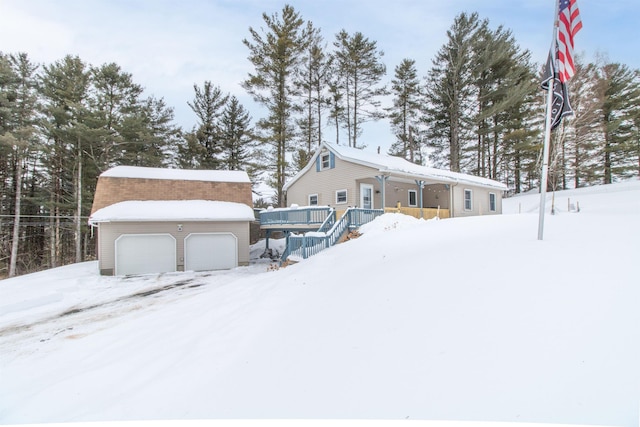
(173, 210)
(176, 174)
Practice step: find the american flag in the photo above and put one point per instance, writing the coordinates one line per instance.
(569, 23)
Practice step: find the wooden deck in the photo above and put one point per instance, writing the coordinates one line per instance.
(294, 219)
(312, 218)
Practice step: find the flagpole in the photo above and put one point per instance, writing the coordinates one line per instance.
(547, 126)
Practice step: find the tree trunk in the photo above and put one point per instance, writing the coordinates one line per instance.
(517, 172)
(16, 218)
(78, 233)
(607, 160)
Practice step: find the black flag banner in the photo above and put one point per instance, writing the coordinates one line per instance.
(560, 106)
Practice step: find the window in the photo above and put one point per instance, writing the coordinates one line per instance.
(313, 199)
(325, 161)
(341, 196)
(413, 197)
(467, 200)
(492, 202)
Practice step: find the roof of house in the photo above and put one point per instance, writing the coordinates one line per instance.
(173, 210)
(393, 165)
(176, 174)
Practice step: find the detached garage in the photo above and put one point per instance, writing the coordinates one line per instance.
(140, 237)
(153, 220)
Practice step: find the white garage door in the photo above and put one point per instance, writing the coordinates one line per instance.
(145, 253)
(210, 251)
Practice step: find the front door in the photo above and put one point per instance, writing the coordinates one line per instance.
(366, 196)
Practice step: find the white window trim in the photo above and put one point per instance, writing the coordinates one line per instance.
(346, 197)
(495, 202)
(415, 198)
(364, 186)
(322, 157)
(464, 199)
(317, 199)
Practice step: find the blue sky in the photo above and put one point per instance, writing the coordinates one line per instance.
(169, 46)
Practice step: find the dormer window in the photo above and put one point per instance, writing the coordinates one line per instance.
(325, 160)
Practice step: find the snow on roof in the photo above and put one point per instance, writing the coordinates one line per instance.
(394, 164)
(173, 210)
(176, 174)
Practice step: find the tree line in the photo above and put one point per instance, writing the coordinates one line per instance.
(478, 110)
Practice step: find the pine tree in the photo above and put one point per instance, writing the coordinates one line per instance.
(236, 137)
(503, 81)
(584, 128)
(19, 137)
(8, 82)
(521, 140)
(406, 112)
(276, 53)
(65, 86)
(360, 70)
(449, 94)
(336, 105)
(313, 79)
(620, 95)
(115, 100)
(159, 136)
(205, 140)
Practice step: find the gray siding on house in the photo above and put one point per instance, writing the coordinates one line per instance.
(110, 231)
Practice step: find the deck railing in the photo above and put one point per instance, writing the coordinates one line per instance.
(328, 223)
(308, 244)
(307, 216)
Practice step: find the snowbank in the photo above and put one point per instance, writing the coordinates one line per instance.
(461, 319)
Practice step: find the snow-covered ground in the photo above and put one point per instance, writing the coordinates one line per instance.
(460, 319)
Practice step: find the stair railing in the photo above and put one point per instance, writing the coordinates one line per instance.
(309, 244)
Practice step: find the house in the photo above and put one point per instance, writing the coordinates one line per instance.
(153, 220)
(343, 177)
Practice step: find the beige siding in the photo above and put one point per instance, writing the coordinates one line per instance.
(433, 195)
(348, 176)
(479, 201)
(109, 232)
(436, 195)
(325, 183)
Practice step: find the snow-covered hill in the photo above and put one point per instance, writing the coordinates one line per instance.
(461, 319)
